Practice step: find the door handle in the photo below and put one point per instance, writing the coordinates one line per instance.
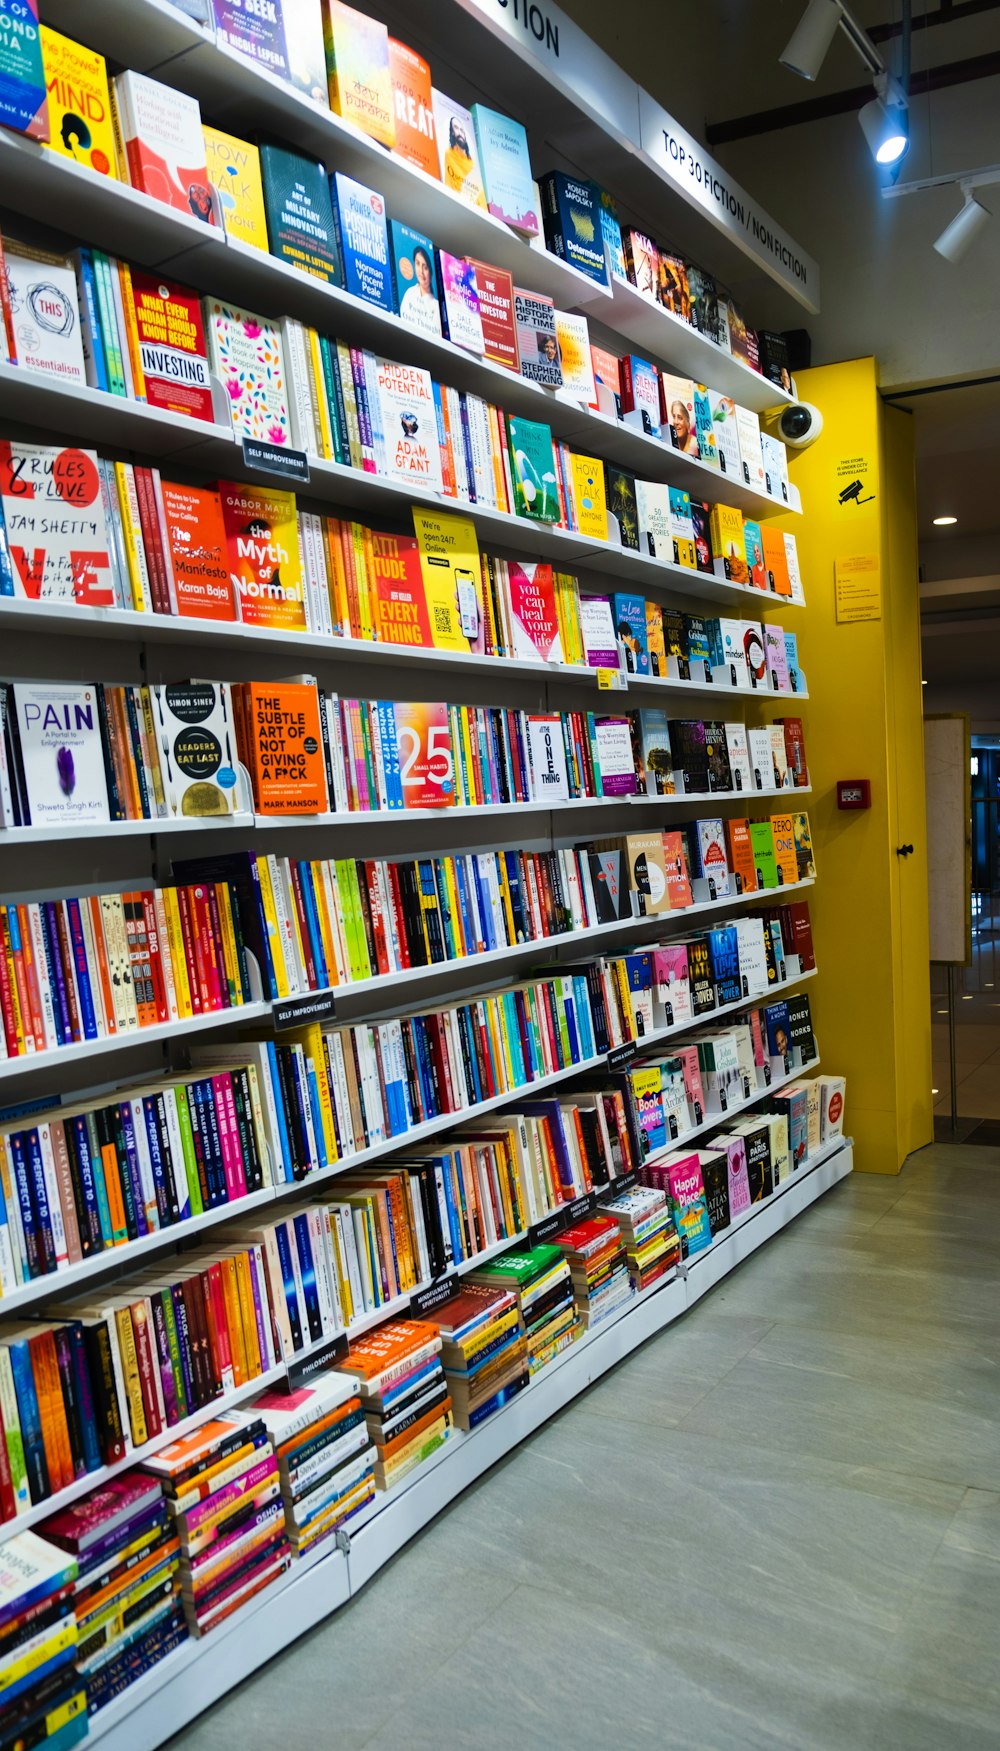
(904, 850)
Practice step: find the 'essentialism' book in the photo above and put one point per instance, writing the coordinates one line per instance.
(45, 304)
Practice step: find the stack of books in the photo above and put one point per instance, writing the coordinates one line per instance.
(651, 1241)
(484, 1350)
(42, 1700)
(540, 1278)
(224, 1494)
(404, 1392)
(598, 1262)
(326, 1461)
(126, 1601)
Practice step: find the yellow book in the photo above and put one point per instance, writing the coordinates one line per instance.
(449, 556)
(357, 58)
(508, 908)
(79, 99)
(451, 883)
(274, 941)
(340, 607)
(178, 958)
(245, 1291)
(498, 1041)
(230, 956)
(573, 646)
(234, 1320)
(310, 1038)
(322, 405)
(62, 1636)
(135, 552)
(467, 744)
(131, 328)
(130, 1374)
(783, 834)
(234, 169)
(347, 1308)
(589, 501)
(725, 527)
(363, 562)
(15, 1002)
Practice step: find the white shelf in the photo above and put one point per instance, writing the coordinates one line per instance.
(168, 1697)
(470, 811)
(11, 838)
(162, 1032)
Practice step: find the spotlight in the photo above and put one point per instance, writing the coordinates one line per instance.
(943, 522)
(957, 238)
(812, 37)
(885, 124)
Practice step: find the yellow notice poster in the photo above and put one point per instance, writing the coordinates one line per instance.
(449, 562)
(858, 588)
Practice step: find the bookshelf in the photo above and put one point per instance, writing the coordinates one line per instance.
(70, 643)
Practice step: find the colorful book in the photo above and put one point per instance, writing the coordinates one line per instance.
(196, 741)
(198, 554)
(164, 145)
(234, 170)
(23, 98)
(246, 355)
(537, 342)
(533, 468)
(496, 312)
(463, 323)
(172, 348)
(62, 753)
(357, 58)
(53, 510)
(572, 221)
(458, 153)
(414, 279)
(284, 40)
(79, 100)
(588, 495)
(409, 424)
(506, 167)
(573, 337)
(413, 108)
(363, 238)
(262, 545)
(533, 612)
(300, 223)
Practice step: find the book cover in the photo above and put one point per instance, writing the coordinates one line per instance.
(708, 443)
(687, 739)
(460, 309)
(506, 168)
(776, 658)
(641, 261)
(775, 554)
(701, 517)
(619, 492)
(729, 544)
(197, 748)
(164, 145)
(262, 545)
(761, 758)
(775, 459)
(234, 171)
(773, 359)
(740, 852)
(533, 612)
(299, 213)
(832, 1089)
(678, 400)
(739, 756)
(285, 40)
(753, 949)
(23, 100)
(537, 341)
(533, 468)
(727, 441)
(682, 528)
(629, 615)
(647, 872)
(720, 777)
(547, 756)
(652, 499)
(783, 834)
(45, 311)
(707, 311)
(641, 393)
(589, 501)
(62, 753)
(804, 847)
(710, 857)
(607, 382)
(172, 346)
(363, 238)
(357, 58)
(670, 970)
(674, 293)
(53, 511)
(573, 338)
(572, 223)
(199, 557)
(723, 949)
(401, 615)
(597, 628)
(414, 278)
(496, 312)
(409, 423)
(657, 757)
(413, 108)
(678, 875)
(611, 235)
(79, 101)
(794, 574)
(458, 155)
(426, 764)
(751, 460)
(755, 554)
(245, 353)
(689, 1204)
(613, 739)
(450, 562)
(762, 845)
(285, 752)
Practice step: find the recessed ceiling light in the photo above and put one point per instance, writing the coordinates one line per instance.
(944, 522)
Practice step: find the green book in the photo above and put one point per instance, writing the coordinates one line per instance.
(762, 846)
(299, 213)
(533, 469)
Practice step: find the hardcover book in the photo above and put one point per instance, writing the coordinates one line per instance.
(715, 1179)
(463, 323)
(414, 278)
(761, 759)
(537, 343)
(619, 492)
(262, 545)
(657, 758)
(573, 337)
(299, 213)
(753, 951)
(496, 311)
(234, 171)
(245, 354)
(776, 658)
(762, 845)
(409, 423)
(572, 222)
(607, 382)
(506, 167)
(172, 347)
(449, 559)
(164, 145)
(641, 262)
(689, 1205)
(533, 611)
(655, 641)
(723, 948)
(458, 154)
(611, 233)
(23, 100)
(199, 558)
(687, 739)
(775, 461)
(357, 59)
(57, 533)
(708, 443)
(363, 238)
(62, 753)
(413, 107)
(79, 102)
(710, 859)
(197, 748)
(533, 469)
(783, 833)
(678, 876)
(45, 311)
(401, 615)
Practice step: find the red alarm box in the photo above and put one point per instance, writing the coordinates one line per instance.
(854, 793)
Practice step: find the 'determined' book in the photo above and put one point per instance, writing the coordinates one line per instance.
(571, 217)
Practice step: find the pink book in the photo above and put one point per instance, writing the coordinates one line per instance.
(690, 1206)
(739, 1184)
(228, 1142)
(688, 1056)
(256, 1487)
(86, 1522)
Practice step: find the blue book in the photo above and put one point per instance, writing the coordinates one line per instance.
(88, 1017)
(29, 1221)
(40, 1198)
(90, 318)
(95, 1194)
(132, 1165)
(724, 954)
(23, 88)
(506, 168)
(414, 277)
(572, 220)
(29, 1417)
(312, 924)
(300, 225)
(611, 234)
(497, 1402)
(792, 661)
(288, 1283)
(307, 1271)
(84, 1398)
(466, 1029)
(629, 613)
(285, 1164)
(162, 1184)
(363, 240)
(779, 1039)
(386, 713)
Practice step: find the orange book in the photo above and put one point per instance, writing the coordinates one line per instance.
(131, 329)
(48, 1389)
(234, 1322)
(31, 984)
(245, 1290)
(775, 559)
(783, 834)
(113, 1187)
(413, 106)
(337, 573)
(741, 858)
(282, 746)
(196, 546)
(412, 1434)
(264, 557)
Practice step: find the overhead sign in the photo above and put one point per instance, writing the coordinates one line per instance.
(543, 35)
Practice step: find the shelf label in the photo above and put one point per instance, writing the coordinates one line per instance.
(332, 1351)
(563, 1218)
(622, 1055)
(275, 459)
(426, 1300)
(611, 681)
(624, 1184)
(289, 1012)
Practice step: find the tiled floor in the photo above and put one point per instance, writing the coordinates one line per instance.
(776, 1525)
(977, 1054)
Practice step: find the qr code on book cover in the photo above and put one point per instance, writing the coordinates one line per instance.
(442, 618)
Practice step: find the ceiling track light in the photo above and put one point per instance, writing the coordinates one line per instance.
(809, 43)
(972, 218)
(885, 122)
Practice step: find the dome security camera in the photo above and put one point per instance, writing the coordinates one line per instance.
(800, 425)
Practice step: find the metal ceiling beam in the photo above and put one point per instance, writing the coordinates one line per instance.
(946, 14)
(836, 103)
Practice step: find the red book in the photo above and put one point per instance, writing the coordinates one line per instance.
(149, 526)
(155, 957)
(192, 956)
(172, 346)
(799, 941)
(66, 957)
(218, 1330)
(144, 1347)
(396, 899)
(795, 749)
(378, 922)
(197, 552)
(7, 1503)
(496, 308)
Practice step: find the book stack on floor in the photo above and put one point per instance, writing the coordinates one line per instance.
(326, 1461)
(540, 1279)
(404, 1392)
(42, 1700)
(126, 1601)
(223, 1491)
(484, 1350)
(598, 1262)
(651, 1241)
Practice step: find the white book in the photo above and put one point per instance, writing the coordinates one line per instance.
(779, 757)
(304, 432)
(59, 733)
(752, 948)
(652, 500)
(775, 459)
(45, 307)
(547, 755)
(54, 510)
(751, 459)
(246, 354)
(761, 763)
(197, 747)
(739, 756)
(794, 574)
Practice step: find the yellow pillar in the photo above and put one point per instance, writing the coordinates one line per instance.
(864, 719)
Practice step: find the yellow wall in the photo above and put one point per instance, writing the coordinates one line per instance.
(863, 719)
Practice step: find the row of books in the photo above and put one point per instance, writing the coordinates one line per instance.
(43, 1700)
(325, 1453)
(85, 1179)
(274, 198)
